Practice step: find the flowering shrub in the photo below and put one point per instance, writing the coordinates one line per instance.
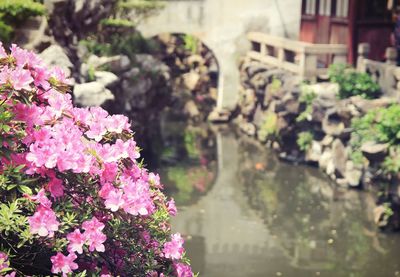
(74, 198)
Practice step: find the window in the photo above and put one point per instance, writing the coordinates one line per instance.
(325, 7)
(342, 8)
(309, 7)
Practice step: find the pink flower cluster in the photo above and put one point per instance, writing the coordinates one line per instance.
(62, 140)
(4, 264)
(44, 221)
(174, 248)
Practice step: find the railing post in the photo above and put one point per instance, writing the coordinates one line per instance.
(391, 56)
(308, 65)
(396, 85)
(281, 55)
(363, 52)
(263, 49)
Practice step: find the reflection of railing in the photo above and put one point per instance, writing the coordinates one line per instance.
(306, 59)
(386, 74)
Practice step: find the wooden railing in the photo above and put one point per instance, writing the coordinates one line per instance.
(305, 59)
(386, 74)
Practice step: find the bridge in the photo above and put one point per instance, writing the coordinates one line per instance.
(222, 26)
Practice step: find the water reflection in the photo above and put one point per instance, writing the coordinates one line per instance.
(261, 217)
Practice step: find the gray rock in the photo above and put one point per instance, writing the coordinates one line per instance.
(332, 124)
(191, 109)
(339, 157)
(108, 79)
(32, 33)
(115, 64)
(132, 74)
(365, 105)
(325, 90)
(248, 128)
(137, 88)
(82, 51)
(219, 116)
(353, 174)
(374, 152)
(327, 140)
(258, 118)
(91, 94)
(255, 67)
(149, 63)
(191, 80)
(55, 55)
(325, 159)
(313, 154)
(195, 60)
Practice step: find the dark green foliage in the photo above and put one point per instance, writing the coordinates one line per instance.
(136, 10)
(14, 12)
(381, 126)
(304, 140)
(117, 23)
(353, 83)
(129, 44)
(307, 97)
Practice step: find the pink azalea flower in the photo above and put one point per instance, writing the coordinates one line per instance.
(59, 102)
(3, 53)
(56, 187)
(76, 241)
(40, 198)
(96, 240)
(92, 225)
(63, 264)
(4, 75)
(97, 131)
(174, 248)
(105, 190)
(20, 55)
(137, 199)
(4, 263)
(20, 79)
(117, 123)
(59, 75)
(171, 207)
(40, 78)
(183, 270)
(154, 179)
(114, 200)
(109, 172)
(43, 222)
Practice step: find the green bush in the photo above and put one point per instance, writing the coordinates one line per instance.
(304, 140)
(117, 23)
(352, 83)
(129, 45)
(268, 129)
(14, 12)
(307, 97)
(136, 10)
(191, 43)
(391, 164)
(381, 126)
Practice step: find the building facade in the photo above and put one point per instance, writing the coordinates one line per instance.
(349, 22)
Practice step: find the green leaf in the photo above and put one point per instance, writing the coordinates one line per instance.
(24, 189)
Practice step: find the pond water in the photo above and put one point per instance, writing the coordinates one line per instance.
(245, 213)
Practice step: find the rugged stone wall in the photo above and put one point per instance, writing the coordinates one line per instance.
(273, 107)
(194, 70)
